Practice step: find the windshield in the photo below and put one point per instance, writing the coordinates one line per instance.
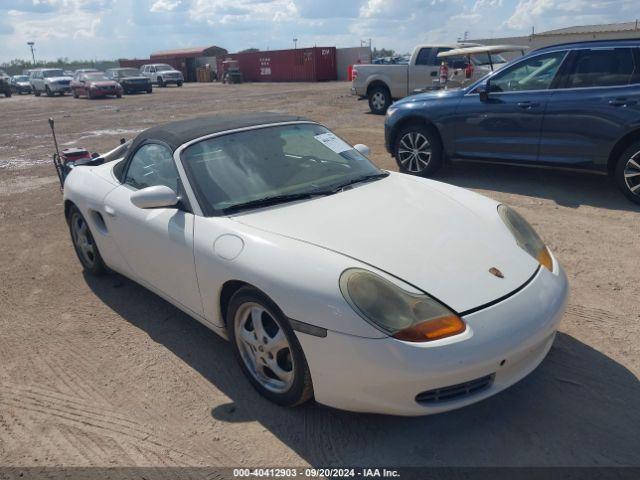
(21, 78)
(52, 73)
(483, 59)
(129, 72)
(250, 166)
(96, 77)
(163, 67)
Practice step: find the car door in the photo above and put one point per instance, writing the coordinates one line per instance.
(156, 243)
(596, 104)
(506, 124)
(423, 73)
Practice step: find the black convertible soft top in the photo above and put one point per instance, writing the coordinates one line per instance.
(180, 132)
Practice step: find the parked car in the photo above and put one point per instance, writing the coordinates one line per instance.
(5, 84)
(49, 81)
(95, 85)
(130, 79)
(162, 74)
(575, 105)
(281, 237)
(20, 84)
(80, 71)
(381, 84)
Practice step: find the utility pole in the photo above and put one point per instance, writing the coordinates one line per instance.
(295, 43)
(33, 56)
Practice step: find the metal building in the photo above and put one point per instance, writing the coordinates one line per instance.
(609, 31)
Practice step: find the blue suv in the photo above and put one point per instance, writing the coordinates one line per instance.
(573, 105)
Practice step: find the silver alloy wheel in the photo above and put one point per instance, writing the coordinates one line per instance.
(414, 153)
(264, 347)
(83, 240)
(632, 173)
(378, 100)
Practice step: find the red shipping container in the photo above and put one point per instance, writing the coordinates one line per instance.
(315, 64)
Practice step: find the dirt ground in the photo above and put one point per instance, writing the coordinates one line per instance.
(101, 372)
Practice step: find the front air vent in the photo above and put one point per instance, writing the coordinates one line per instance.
(455, 392)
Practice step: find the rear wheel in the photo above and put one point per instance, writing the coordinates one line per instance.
(179, 84)
(379, 99)
(75, 94)
(267, 349)
(48, 91)
(36, 92)
(161, 83)
(627, 172)
(150, 90)
(418, 150)
(84, 244)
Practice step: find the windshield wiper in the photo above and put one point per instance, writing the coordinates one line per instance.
(273, 200)
(365, 178)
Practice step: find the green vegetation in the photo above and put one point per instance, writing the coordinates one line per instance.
(15, 67)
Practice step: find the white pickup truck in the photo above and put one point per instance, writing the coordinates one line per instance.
(381, 84)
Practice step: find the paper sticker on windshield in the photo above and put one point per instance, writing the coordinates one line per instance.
(334, 143)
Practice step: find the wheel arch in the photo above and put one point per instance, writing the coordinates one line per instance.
(620, 146)
(377, 83)
(68, 205)
(406, 122)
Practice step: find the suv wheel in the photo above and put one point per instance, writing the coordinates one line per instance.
(418, 150)
(627, 172)
(179, 84)
(161, 83)
(379, 99)
(49, 92)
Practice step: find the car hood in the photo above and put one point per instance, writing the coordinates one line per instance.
(56, 79)
(140, 77)
(439, 238)
(104, 83)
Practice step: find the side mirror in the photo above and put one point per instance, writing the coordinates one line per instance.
(158, 196)
(363, 149)
(483, 91)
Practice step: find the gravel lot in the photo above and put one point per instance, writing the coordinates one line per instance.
(101, 372)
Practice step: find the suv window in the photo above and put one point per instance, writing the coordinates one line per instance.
(152, 165)
(534, 73)
(423, 56)
(602, 68)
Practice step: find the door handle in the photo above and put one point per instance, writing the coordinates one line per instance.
(622, 102)
(528, 105)
(109, 211)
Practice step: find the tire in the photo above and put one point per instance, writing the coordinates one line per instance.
(36, 92)
(84, 244)
(292, 385)
(118, 95)
(161, 83)
(75, 94)
(627, 172)
(179, 84)
(150, 90)
(48, 91)
(415, 157)
(379, 99)
(7, 93)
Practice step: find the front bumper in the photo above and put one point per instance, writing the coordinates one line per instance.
(136, 87)
(59, 88)
(507, 341)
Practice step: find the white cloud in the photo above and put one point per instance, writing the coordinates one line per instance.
(165, 5)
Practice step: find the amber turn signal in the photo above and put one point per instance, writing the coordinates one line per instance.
(433, 329)
(544, 257)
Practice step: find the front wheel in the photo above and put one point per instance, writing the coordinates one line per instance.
(627, 173)
(179, 84)
(418, 151)
(84, 244)
(267, 349)
(150, 90)
(48, 91)
(161, 83)
(379, 100)
(36, 92)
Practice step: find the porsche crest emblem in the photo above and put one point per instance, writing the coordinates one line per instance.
(495, 272)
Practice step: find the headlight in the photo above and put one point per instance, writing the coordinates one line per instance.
(526, 237)
(403, 315)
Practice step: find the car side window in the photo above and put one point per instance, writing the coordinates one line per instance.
(151, 165)
(535, 73)
(602, 68)
(423, 56)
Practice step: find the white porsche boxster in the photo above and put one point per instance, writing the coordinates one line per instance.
(369, 290)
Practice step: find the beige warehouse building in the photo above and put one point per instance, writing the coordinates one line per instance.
(610, 31)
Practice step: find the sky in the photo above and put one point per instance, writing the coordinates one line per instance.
(110, 29)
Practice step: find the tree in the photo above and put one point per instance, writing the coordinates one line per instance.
(383, 52)
(249, 50)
